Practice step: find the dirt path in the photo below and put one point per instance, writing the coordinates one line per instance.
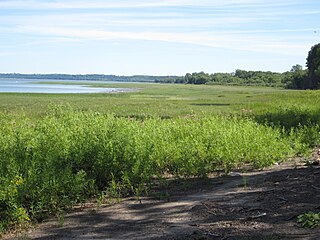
(255, 205)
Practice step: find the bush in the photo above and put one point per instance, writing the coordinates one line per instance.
(50, 164)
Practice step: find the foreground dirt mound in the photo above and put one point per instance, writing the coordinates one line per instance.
(255, 205)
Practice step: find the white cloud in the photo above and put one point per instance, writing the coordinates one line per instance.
(224, 14)
(228, 41)
(230, 25)
(106, 21)
(81, 4)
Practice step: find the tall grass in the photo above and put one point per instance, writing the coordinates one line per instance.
(49, 164)
(302, 121)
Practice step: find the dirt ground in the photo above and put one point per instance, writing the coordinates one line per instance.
(251, 205)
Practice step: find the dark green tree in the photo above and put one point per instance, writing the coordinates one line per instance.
(188, 78)
(296, 78)
(201, 78)
(197, 78)
(313, 64)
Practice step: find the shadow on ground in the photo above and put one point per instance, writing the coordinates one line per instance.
(256, 205)
(211, 104)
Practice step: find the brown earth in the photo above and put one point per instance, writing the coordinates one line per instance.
(251, 205)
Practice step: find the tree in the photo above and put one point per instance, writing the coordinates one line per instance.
(202, 78)
(197, 78)
(297, 78)
(188, 78)
(313, 64)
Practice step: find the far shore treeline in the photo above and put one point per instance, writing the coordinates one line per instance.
(296, 78)
(84, 77)
(239, 77)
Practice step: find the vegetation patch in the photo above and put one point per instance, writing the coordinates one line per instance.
(50, 164)
(117, 144)
(309, 219)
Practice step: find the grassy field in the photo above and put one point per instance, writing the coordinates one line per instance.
(60, 149)
(166, 100)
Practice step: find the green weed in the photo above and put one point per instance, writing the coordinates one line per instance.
(52, 163)
(309, 219)
(118, 144)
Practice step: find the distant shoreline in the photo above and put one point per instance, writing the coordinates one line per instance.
(88, 77)
(19, 85)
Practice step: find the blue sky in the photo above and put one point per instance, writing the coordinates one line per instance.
(164, 37)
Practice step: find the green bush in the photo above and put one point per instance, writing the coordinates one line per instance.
(50, 164)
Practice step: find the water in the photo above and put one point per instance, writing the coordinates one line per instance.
(37, 86)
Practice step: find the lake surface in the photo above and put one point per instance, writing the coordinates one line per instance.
(12, 85)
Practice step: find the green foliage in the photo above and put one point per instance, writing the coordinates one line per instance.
(170, 79)
(296, 78)
(11, 209)
(197, 78)
(259, 78)
(313, 64)
(51, 163)
(64, 156)
(225, 78)
(290, 117)
(240, 77)
(89, 77)
(305, 79)
(309, 220)
(298, 121)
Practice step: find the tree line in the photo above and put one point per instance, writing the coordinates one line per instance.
(89, 77)
(239, 77)
(296, 78)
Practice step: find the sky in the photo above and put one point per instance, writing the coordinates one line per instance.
(163, 37)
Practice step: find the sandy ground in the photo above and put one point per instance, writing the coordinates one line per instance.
(252, 205)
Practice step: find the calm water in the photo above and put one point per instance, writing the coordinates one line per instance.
(35, 86)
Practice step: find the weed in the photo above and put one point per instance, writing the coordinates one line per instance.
(245, 181)
(309, 220)
(51, 161)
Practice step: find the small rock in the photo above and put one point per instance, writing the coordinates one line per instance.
(234, 174)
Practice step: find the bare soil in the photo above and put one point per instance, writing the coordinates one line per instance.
(244, 205)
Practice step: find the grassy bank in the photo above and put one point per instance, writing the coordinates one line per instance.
(52, 163)
(52, 156)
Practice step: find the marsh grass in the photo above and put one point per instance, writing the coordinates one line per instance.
(162, 100)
